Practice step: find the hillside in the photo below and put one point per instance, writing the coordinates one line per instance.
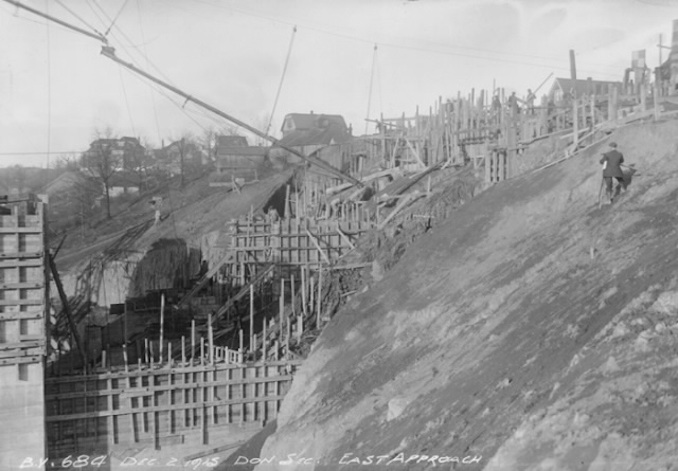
(529, 329)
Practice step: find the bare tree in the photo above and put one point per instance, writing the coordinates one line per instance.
(102, 162)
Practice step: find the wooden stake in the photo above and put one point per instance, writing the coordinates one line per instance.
(202, 350)
(303, 290)
(263, 342)
(300, 327)
(281, 308)
(169, 354)
(124, 358)
(210, 338)
(292, 293)
(320, 284)
(183, 350)
(241, 341)
(252, 318)
(192, 342)
(162, 324)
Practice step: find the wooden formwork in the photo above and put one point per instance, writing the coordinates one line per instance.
(23, 327)
(292, 242)
(145, 407)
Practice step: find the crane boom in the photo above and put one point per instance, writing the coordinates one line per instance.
(109, 52)
(99, 36)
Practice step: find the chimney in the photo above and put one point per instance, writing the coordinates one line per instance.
(573, 66)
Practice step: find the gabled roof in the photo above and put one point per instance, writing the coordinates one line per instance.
(314, 130)
(314, 137)
(231, 141)
(583, 86)
(312, 120)
(240, 150)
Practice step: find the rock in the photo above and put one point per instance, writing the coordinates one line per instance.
(667, 303)
(377, 271)
(610, 365)
(396, 406)
(660, 327)
(642, 343)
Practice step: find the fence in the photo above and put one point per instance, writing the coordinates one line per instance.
(155, 407)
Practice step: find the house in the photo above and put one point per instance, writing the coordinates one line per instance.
(230, 158)
(170, 158)
(562, 88)
(310, 132)
(123, 183)
(231, 141)
(123, 153)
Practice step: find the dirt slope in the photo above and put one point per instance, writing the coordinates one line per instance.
(498, 336)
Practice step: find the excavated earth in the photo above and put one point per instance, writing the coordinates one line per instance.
(529, 330)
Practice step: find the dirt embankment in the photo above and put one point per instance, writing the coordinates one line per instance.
(530, 330)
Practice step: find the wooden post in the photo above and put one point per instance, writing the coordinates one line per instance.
(300, 327)
(183, 350)
(192, 342)
(643, 97)
(241, 341)
(162, 324)
(146, 350)
(210, 338)
(251, 317)
(320, 284)
(169, 354)
(263, 342)
(202, 350)
(311, 293)
(292, 293)
(613, 101)
(655, 95)
(575, 122)
(303, 289)
(281, 302)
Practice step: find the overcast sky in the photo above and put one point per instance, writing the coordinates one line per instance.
(57, 91)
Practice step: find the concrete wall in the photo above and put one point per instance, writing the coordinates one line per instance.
(22, 415)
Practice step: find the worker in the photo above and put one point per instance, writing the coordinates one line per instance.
(611, 162)
(529, 101)
(513, 104)
(156, 204)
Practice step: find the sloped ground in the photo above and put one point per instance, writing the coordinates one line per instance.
(531, 330)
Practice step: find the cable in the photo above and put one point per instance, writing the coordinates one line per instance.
(369, 95)
(79, 18)
(402, 46)
(282, 79)
(116, 17)
(143, 37)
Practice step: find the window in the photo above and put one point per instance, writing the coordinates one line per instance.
(23, 371)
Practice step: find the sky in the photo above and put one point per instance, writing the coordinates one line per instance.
(57, 92)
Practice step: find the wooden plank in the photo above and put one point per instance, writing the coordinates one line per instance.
(8, 316)
(21, 302)
(21, 255)
(33, 262)
(21, 230)
(25, 285)
(137, 372)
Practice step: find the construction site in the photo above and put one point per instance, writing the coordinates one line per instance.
(449, 291)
